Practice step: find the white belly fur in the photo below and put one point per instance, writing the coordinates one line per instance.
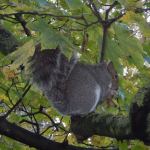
(97, 97)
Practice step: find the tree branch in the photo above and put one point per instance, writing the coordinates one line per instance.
(23, 23)
(95, 11)
(102, 51)
(109, 125)
(106, 24)
(18, 102)
(110, 8)
(40, 14)
(141, 10)
(116, 18)
(33, 140)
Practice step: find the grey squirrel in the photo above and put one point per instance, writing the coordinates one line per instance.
(73, 88)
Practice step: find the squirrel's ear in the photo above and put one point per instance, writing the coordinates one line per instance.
(111, 68)
(112, 71)
(58, 47)
(110, 65)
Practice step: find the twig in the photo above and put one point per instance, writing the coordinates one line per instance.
(23, 23)
(52, 121)
(116, 18)
(30, 117)
(29, 122)
(9, 19)
(95, 11)
(18, 102)
(46, 129)
(110, 8)
(140, 10)
(37, 125)
(40, 14)
(84, 41)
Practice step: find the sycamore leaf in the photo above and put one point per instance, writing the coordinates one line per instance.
(123, 145)
(74, 4)
(146, 47)
(131, 4)
(131, 18)
(114, 53)
(91, 54)
(129, 44)
(20, 56)
(51, 38)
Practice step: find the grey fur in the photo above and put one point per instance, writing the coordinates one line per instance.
(72, 87)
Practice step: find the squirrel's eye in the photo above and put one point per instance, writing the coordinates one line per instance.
(116, 76)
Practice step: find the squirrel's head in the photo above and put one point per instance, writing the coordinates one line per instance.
(114, 81)
(114, 76)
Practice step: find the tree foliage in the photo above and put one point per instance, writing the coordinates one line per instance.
(110, 30)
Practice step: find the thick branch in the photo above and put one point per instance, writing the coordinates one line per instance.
(118, 127)
(140, 115)
(102, 51)
(33, 140)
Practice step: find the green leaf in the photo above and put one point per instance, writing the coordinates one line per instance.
(139, 146)
(51, 38)
(114, 53)
(14, 117)
(146, 47)
(130, 45)
(91, 54)
(74, 4)
(123, 145)
(131, 18)
(130, 4)
(20, 56)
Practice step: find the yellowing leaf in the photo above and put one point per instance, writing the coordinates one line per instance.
(131, 4)
(3, 97)
(21, 55)
(9, 74)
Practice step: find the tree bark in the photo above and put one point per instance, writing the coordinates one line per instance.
(31, 139)
(109, 125)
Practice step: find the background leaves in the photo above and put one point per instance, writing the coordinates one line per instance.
(65, 23)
